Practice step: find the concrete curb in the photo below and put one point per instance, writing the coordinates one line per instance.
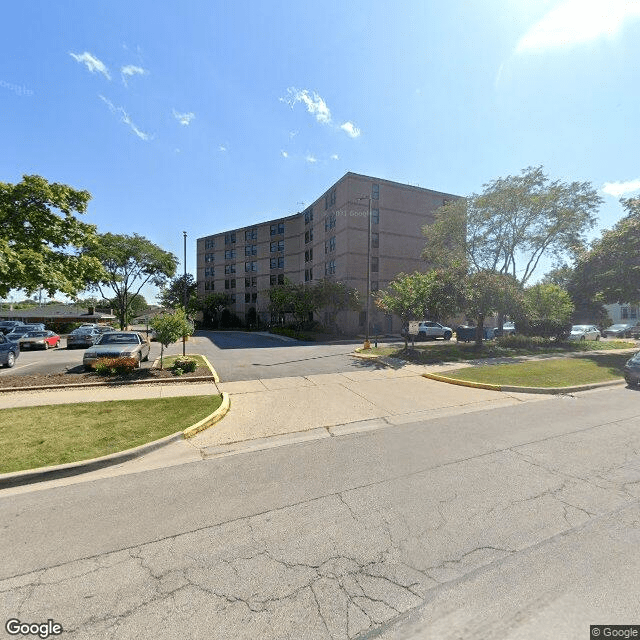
(504, 387)
(209, 421)
(31, 476)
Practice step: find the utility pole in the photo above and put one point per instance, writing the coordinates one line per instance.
(184, 292)
(367, 343)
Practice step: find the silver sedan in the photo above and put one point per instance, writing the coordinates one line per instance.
(117, 344)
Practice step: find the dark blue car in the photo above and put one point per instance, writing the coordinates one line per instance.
(9, 351)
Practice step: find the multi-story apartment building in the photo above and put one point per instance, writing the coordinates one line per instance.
(326, 240)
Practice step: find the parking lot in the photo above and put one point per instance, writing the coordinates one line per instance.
(58, 360)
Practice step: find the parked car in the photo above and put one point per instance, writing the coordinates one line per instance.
(621, 331)
(41, 339)
(9, 351)
(117, 344)
(508, 329)
(16, 334)
(584, 332)
(429, 330)
(6, 326)
(33, 326)
(632, 370)
(82, 337)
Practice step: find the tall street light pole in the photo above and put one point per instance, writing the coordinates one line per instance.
(367, 343)
(184, 291)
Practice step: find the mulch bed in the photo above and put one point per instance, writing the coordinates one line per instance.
(83, 377)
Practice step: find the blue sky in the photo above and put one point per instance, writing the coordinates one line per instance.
(203, 116)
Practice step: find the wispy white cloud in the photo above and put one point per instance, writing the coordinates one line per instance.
(124, 117)
(293, 134)
(573, 22)
(351, 129)
(619, 189)
(335, 157)
(92, 63)
(284, 154)
(184, 118)
(131, 70)
(311, 159)
(222, 148)
(314, 103)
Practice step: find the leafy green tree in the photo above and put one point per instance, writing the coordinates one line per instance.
(419, 295)
(512, 224)
(488, 293)
(137, 307)
(170, 327)
(335, 297)
(610, 270)
(178, 289)
(41, 239)
(546, 311)
(212, 307)
(130, 262)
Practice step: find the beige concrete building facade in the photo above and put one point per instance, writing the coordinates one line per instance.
(327, 239)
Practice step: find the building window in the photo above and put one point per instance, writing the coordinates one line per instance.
(330, 268)
(230, 283)
(330, 245)
(277, 229)
(247, 297)
(233, 298)
(375, 216)
(207, 285)
(277, 263)
(308, 275)
(633, 313)
(308, 235)
(251, 250)
(375, 240)
(209, 257)
(209, 243)
(274, 280)
(624, 313)
(250, 234)
(330, 222)
(230, 238)
(277, 246)
(374, 264)
(230, 254)
(332, 201)
(375, 191)
(250, 297)
(374, 285)
(250, 282)
(229, 268)
(251, 266)
(308, 215)
(308, 255)
(209, 271)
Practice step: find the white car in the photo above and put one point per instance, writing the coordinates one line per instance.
(430, 330)
(584, 332)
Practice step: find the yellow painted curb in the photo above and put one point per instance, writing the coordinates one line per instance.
(209, 421)
(463, 383)
(216, 378)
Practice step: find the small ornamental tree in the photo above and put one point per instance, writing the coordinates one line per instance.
(170, 327)
(546, 312)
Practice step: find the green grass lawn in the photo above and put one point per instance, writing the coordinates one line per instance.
(556, 372)
(167, 361)
(431, 352)
(33, 437)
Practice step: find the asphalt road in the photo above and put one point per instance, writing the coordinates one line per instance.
(239, 355)
(519, 522)
(236, 355)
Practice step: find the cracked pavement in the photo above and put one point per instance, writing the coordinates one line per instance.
(412, 531)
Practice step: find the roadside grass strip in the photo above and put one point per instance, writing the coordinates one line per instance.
(33, 437)
(167, 361)
(430, 353)
(552, 373)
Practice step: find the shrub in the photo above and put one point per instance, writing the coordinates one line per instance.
(519, 341)
(116, 366)
(184, 365)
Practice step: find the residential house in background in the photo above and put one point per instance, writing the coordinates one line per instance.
(328, 239)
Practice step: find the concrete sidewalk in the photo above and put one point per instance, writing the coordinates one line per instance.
(273, 412)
